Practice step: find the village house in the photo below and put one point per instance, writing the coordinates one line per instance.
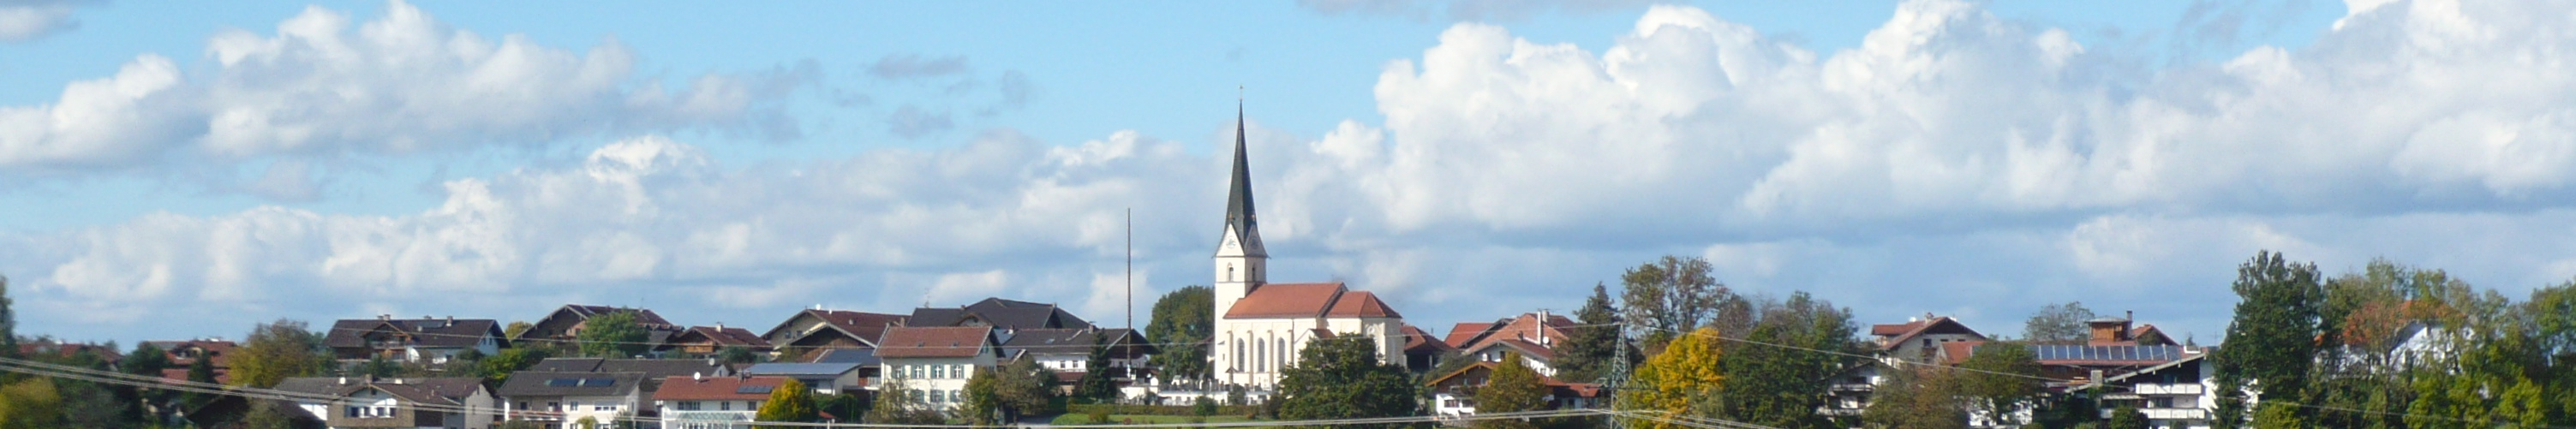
(1422, 351)
(183, 354)
(708, 340)
(564, 399)
(1454, 394)
(427, 340)
(704, 402)
(2176, 394)
(1532, 336)
(1005, 316)
(564, 324)
(1919, 340)
(366, 402)
(1067, 353)
(810, 332)
(931, 364)
(822, 378)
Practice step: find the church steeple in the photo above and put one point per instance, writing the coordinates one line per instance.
(1239, 218)
(1239, 256)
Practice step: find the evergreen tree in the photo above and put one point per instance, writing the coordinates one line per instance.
(2126, 417)
(1095, 386)
(1589, 349)
(791, 402)
(1341, 378)
(2271, 342)
(200, 371)
(148, 361)
(8, 321)
(1513, 387)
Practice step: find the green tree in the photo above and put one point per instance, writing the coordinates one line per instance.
(1589, 349)
(1670, 295)
(275, 351)
(900, 405)
(1689, 369)
(8, 321)
(380, 367)
(497, 369)
(1183, 321)
(515, 328)
(1777, 386)
(1916, 397)
(737, 355)
(1095, 386)
(146, 360)
(30, 404)
(983, 405)
(1513, 387)
(2126, 417)
(265, 414)
(2271, 342)
(791, 402)
(2058, 324)
(201, 371)
(1024, 388)
(613, 335)
(2274, 415)
(1341, 378)
(2002, 378)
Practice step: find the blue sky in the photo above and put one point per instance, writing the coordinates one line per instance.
(188, 170)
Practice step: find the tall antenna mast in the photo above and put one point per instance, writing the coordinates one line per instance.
(1131, 268)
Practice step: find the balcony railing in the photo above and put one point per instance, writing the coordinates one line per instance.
(2169, 389)
(2167, 413)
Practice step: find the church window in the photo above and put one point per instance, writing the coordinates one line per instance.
(1260, 356)
(1283, 352)
(1238, 355)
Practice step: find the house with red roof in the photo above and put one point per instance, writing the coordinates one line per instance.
(1261, 326)
(931, 364)
(1921, 339)
(703, 402)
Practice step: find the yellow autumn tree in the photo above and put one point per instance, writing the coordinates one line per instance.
(1667, 383)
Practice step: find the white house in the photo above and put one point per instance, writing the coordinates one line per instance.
(563, 399)
(446, 403)
(931, 364)
(1261, 326)
(427, 339)
(2181, 394)
(702, 402)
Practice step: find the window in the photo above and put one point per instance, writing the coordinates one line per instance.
(352, 412)
(724, 405)
(685, 405)
(939, 371)
(1260, 355)
(574, 406)
(554, 406)
(1238, 356)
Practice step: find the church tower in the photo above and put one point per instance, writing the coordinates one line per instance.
(1240, 260)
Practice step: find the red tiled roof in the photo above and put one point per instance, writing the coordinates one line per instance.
(1525, 327)
(1912, 329)
(916, 341)
(1956, 352)
(1416, 339)
(1466, 332)
(1534, 350)
(689, 388)
(726, 337)
(1361, 304)
(1894, 329)
(1287, 300)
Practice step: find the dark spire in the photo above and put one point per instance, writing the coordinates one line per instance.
(1238, 198)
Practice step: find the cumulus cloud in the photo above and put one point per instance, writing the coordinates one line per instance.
(27, 20)
(1465, 10)
(2001, 164)
(323, 86)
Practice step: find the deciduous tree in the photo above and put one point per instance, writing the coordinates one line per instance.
(274, 351)
(613, 335)
(2271, 342)
(790, 402)
(1669, 383)
(1670, 295)
(1183, 320)
(1341, 378)
(1917, 397)
(2002, 378)
(2058, 324)
(1513, 387)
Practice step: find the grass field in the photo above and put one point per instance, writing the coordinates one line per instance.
(1077, 419)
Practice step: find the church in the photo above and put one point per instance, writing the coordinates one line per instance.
(1261, 326)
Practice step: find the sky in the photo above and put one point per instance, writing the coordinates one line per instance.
(188, 170)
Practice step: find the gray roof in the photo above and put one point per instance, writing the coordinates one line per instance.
(1061, 341)
(1238, 196)
(832, 369)
(999, 313)
(429, 390)
(863, 357)
(538, 383)
(654, 370)
(351, 333)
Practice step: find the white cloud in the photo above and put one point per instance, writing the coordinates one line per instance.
(402, 83)
(2000, 165)
(26, 20)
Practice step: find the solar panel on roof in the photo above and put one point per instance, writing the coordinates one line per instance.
(563, 382)
(753, 390)
(598, 382)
